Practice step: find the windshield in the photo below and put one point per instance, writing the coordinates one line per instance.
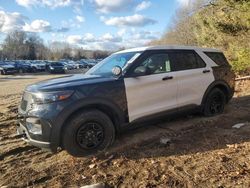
(104, 68)
(56, 64)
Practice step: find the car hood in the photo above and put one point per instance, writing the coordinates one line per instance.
(7, 66)
(37, 64)
(66, 82)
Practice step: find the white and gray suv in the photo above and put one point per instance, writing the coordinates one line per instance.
(83, 113)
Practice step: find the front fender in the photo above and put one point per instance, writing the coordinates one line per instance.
(68, 111)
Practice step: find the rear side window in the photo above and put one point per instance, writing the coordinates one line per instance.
(185, 60)
(217, 57)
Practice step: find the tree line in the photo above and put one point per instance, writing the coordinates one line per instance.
(19, 45)
(222, 24)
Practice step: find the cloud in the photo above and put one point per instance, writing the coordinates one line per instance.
(135, 38)
(11, 21)
(26, 3)
(136, 20)
(73, 23)
(16, 21)
(121, 32)
(62, 30)
(50, 3)
(107, 37)
(143, 5)
(107, 6)
(80, 19)
(184, 3)
(74, 39)
(37, 26)
(89, 37)
(131, 38)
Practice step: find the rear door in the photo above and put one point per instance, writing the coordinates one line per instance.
(151, 86)
(193, 75)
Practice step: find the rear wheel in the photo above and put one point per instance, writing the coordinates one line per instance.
(87, 133)
(215, 103)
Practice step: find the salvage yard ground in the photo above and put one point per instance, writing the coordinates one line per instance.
(202, 152)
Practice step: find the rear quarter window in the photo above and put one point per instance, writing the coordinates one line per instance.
(218, 58)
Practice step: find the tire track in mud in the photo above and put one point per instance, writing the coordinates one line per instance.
(15, 151)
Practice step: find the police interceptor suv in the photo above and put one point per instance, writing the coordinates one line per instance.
(83, 113)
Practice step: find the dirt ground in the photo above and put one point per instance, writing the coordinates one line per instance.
(202, 152)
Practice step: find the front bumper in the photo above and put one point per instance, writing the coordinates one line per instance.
(23, 132)
(10, 71)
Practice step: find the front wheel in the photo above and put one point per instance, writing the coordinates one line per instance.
(215, 103)
(87, 133)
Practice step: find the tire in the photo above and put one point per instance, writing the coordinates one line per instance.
(2, 72)
(93, 124)
(215, 103)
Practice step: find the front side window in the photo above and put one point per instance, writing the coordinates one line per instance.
(154, 64)
(187, 60)
(104, 68)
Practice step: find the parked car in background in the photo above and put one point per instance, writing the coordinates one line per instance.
(22, 66)
(81, 64)
(98, 60)
(37, 66)
(73, 64)
(7, 68)
(68, 65)
(91, 63)
(56, 67)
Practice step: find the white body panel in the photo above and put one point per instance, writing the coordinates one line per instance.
(192, 85)
(147, 95)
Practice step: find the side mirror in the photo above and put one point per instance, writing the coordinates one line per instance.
(117, 71)
(140, 71)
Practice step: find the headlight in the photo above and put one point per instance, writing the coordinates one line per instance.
(49, 97)
(52, 68)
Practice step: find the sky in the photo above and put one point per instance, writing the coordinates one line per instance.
(90, 24)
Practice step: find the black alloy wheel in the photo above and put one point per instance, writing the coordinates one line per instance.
(215, 103)
(88, 132)
(90, 135)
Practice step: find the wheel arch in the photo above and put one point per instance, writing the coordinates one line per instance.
(117, 116)
(220, 84)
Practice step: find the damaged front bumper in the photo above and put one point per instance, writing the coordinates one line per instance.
(24, 132)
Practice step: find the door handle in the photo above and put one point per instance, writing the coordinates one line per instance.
(206, 71)
(167, 78)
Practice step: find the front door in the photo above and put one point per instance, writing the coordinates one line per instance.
(152, 86)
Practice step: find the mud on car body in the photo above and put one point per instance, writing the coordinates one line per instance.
(83, 113)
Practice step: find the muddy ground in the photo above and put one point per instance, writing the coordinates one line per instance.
(203, 152)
